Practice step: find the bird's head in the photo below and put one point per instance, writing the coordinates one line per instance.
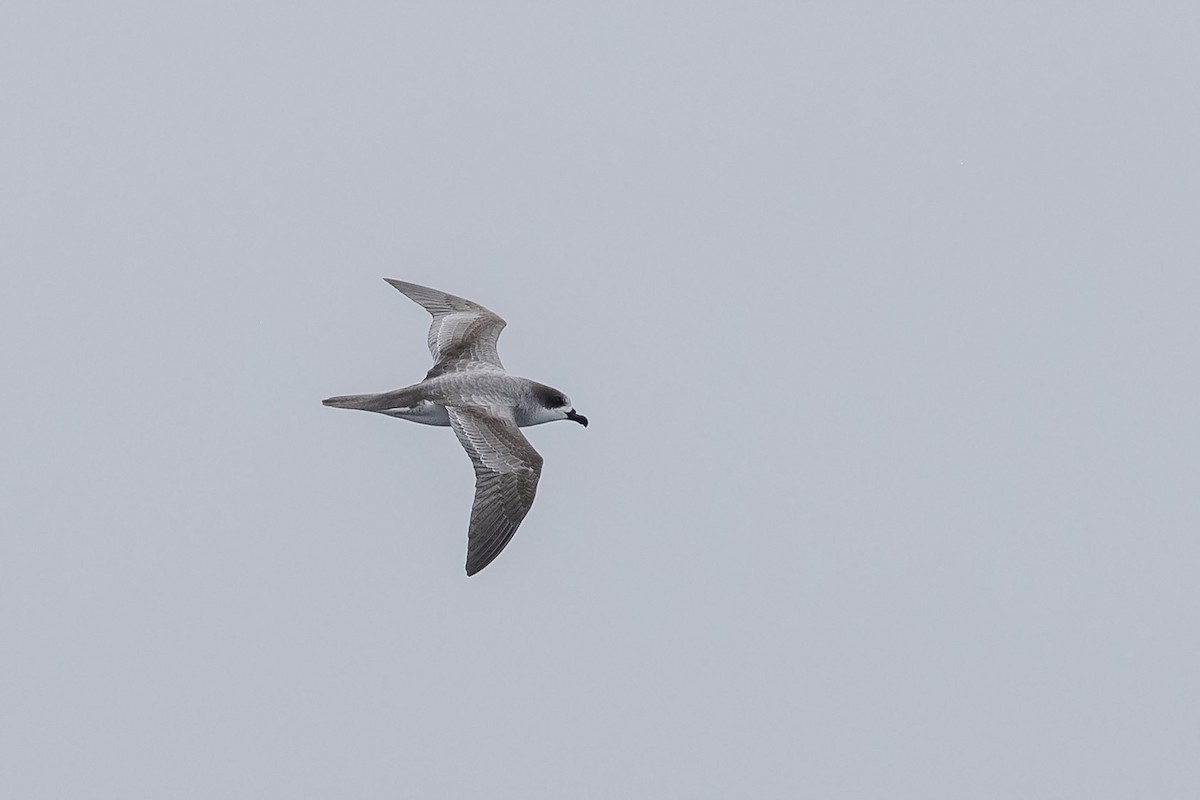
(554, 405)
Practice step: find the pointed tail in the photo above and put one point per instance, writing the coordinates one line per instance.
(401, 398)
(362, 402)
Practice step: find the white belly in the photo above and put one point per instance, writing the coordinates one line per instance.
(426, 413)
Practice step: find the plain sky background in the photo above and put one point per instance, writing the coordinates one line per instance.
(885, 317)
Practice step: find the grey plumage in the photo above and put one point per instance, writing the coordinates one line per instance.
(468, 389)
(507, 469)
(463, 334)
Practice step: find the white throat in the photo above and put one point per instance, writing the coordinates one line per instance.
(537, 415)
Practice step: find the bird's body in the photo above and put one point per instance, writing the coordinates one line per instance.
(426, 402)
(469, 390)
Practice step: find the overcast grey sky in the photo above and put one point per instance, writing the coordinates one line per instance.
(884, 315)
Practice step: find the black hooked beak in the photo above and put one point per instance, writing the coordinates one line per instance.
(580, 418)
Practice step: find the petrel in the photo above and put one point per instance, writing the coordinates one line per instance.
(469, 390)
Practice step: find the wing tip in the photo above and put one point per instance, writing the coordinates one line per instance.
(477, 561)
(437, 302)
(475, 564)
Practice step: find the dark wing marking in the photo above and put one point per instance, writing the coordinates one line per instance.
(507, 469)
(463, 334)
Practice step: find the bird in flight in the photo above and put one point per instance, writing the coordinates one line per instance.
(469, 390)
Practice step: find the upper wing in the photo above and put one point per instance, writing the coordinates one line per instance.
(463, 334)
(507, 469)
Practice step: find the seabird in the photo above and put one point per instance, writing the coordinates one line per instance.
(469, 390)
